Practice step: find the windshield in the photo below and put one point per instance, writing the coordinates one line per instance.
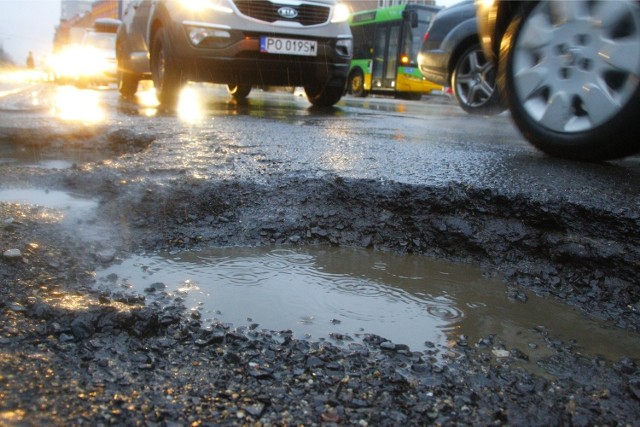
(413, 39)
(103, 41)
(413, 35)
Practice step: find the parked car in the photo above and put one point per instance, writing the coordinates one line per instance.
(451, 56)
(240, 43)
(569, 71)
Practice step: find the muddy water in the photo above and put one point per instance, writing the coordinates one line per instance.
(60, 200)
(76, 214)
(343, 294)
(44, 158)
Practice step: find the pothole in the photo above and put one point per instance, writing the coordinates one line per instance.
(37, 157)
(344, 294)
(74, 212)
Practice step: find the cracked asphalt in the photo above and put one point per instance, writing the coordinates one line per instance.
(389, 175)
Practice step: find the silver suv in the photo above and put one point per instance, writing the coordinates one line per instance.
(241, 43)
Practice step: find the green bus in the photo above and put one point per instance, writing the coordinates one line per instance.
(386, 42)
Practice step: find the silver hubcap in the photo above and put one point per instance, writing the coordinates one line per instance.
(577, 63)
(475, 79)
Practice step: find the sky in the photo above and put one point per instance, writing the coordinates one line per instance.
(29, 25)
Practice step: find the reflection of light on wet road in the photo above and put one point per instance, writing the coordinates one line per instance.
(147, 99)
(190, 106)
(77, 105)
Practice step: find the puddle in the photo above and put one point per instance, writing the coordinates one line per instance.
(48, 159)
(343, 294)
(72, 210)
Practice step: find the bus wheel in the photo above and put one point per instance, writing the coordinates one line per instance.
(356, 84)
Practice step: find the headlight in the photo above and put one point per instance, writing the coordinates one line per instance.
(199, 5)
(340, 13)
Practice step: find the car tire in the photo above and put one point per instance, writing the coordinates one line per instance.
(409, 96)
(356, 84)
(324, 96)
(165, 72)
(474, 83)
(126, 80)
(127, 83)
(239, 92)
(572, 84)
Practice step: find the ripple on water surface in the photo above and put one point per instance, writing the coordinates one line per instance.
(322, 292)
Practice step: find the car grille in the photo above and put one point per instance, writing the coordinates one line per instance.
(308, 14)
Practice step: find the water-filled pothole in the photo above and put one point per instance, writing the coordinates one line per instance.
(343, 294)
(61, 207)
(44, 158)
(48, 198)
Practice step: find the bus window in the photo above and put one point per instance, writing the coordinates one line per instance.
(378, 55)
(392, 56)
(366, 34)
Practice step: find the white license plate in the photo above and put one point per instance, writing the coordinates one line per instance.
(288, 46)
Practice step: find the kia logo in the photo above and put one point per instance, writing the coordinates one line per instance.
(287, 12)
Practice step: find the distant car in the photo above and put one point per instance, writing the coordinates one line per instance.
(451, 56)
(98, 52)
(569, 71)
(240, 43)
(93, 60)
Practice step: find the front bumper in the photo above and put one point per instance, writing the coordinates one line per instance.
(234, 56)
(433, 66)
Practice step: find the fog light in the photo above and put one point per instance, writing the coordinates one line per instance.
(344, 47)
(197, 35)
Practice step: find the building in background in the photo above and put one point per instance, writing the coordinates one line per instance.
(71, 8)
(78, 15)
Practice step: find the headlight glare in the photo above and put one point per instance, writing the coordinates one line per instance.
(340, 13)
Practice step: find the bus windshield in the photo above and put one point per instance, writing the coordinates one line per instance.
(413, 39)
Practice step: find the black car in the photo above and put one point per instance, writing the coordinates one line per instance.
(569, 72)
(451, 56)
(241, 43)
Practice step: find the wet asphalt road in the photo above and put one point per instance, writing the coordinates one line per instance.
(421, 177)
(431, 142)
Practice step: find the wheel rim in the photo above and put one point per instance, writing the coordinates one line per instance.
(577, 63)
(356, 83)
(475, 79)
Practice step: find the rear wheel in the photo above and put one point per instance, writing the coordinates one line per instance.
(127, 80)
(324, 96)
(474, 83)
(127, 83)
(570, 73)
(166, 74)
(239, 91)
(356, 84)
